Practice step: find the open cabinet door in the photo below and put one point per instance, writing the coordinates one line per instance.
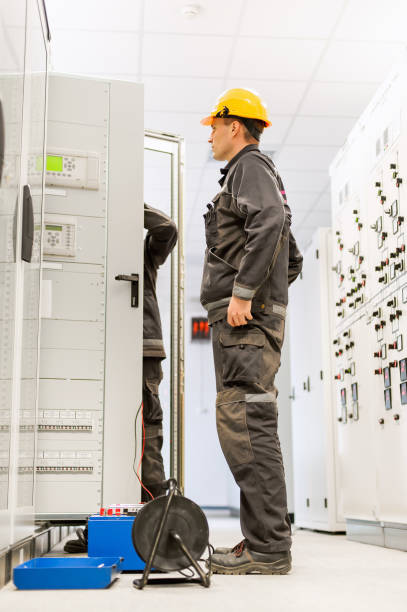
(23, 89)
(163, 189)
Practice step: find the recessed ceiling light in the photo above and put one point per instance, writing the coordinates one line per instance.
(191, 10)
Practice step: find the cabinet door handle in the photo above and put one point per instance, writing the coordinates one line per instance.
(134, 280)
(28, 225)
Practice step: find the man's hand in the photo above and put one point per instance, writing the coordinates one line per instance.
(239, 311)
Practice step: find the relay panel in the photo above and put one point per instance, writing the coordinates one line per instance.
(64, 168)
(369, 348)
(60, 235)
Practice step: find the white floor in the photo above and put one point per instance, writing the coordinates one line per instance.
(330, 574)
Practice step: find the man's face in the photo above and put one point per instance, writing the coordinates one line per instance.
(222, 138)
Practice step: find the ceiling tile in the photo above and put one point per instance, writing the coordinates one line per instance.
(214, 17)
(337, 99)
(204, 179)
(305, 158)
(295, 18)
(319, 131)
(14, 16)
(185, 124)
(181, 94)
(98, 53)
(275, 134)
(198, 56)
(197, 154)
(304, 237)
(317, 218)
(105, 15)
(281, 97)
(300, 201)
(358, 61)
(304, 180)
(376, 22)
(270, 58)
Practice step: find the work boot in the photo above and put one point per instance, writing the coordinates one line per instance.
(243, 560)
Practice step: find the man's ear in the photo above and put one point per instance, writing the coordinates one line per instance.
(235, 127)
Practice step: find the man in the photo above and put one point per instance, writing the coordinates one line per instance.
(250, 260)
(160, 240)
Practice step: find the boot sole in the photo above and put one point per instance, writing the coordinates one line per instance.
(250, 568)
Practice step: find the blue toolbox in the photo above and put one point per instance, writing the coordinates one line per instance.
(109, 534)
(67, 573)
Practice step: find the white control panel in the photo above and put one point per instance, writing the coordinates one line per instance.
(64, 168)
(60, 235)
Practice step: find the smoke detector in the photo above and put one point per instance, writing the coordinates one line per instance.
(191, 10)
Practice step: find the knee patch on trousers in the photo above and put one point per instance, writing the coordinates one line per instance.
(232, 429)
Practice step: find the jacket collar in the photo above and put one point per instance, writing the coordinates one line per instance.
(225, 170)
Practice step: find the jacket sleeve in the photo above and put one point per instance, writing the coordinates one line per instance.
(161, 236)
(258, 198)
(294, 260)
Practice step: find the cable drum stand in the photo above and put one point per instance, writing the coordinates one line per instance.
(171, 533)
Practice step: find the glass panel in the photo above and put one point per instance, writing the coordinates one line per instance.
(12, 44)
(158, 193)
(32, 271)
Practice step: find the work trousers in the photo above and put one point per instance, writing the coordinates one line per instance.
(246, 361)
(152, 464)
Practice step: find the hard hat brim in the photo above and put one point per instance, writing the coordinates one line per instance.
(209, 121)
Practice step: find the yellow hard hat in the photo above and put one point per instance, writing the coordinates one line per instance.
(240, 103)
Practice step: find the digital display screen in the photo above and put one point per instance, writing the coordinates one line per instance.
(403, 369)
(53, 228)
(403, 393)
(54, 163)
(387, 378)
(355, 392)
(343, 397)
(387, 399)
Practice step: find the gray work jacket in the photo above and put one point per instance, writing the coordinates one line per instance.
(251, 252)
(160, 240)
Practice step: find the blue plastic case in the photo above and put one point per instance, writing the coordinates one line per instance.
(67, 573)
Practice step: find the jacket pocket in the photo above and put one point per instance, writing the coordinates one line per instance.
(211, 227)
(242, 356)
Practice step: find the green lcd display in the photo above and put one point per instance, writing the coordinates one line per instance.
(54, 163)
(53, 228)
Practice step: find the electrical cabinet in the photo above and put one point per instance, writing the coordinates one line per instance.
(91, 336)
(317, 503)
(369, 202)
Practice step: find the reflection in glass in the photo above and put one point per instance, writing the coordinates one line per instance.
(12, 20)
(157, 193)
(32, 271)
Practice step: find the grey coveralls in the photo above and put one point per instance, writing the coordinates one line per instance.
(251, 253)
(158, 244)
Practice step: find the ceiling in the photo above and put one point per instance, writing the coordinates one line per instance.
(317, 63)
